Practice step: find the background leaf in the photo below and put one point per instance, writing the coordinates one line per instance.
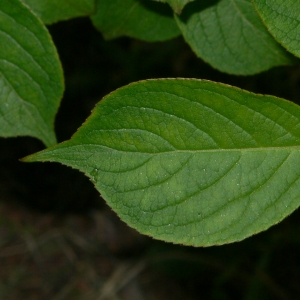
(190, 161)
(177, 5)
(31, 79)
(229, 35)
(141, 19)
(51, 11)
(282, 19)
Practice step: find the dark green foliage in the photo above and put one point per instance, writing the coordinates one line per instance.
(216, 162)
(263, 267)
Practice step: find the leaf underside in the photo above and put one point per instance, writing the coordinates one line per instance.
(229, 35)
(51, 11)
(190, 161)
(31, 79)
(282, 19)
(142, 19)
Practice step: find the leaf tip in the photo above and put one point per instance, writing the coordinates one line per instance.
(35, 157)
(29, 158)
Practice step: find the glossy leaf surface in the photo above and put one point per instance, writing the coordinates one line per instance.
(177, 5)
(51, 11)
(283, 20)
(31, 79)
(141, 19)
(229, 35)
(190, 161)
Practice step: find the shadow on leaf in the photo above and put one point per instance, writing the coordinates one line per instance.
(194, 8)
(157, 7)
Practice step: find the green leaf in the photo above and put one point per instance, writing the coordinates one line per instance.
(190, 161)
(51, 11)
(230, 36)
(141, 19)
(283, 21)
(177, 5)
(31, 79)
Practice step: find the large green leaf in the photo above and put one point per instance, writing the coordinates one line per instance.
(51, 11)
(141, 19)
(177, 5)
(283, 20)
(230, 36)
(31, 79)
(190, 161)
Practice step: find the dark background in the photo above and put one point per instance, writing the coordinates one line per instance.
(58, 238)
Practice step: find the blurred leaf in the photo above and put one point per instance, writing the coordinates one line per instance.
(177, 5)
(51, 11)
(145, 20)
(230, 36)
(31, 79)
(190, 161)
(283, 21)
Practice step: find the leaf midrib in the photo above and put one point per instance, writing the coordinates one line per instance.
(248, 149)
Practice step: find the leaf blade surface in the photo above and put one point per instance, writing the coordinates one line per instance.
(52, 11)
(229, 35)
(145, 20)
(31, 79)
(282, 19)
(190, 161)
